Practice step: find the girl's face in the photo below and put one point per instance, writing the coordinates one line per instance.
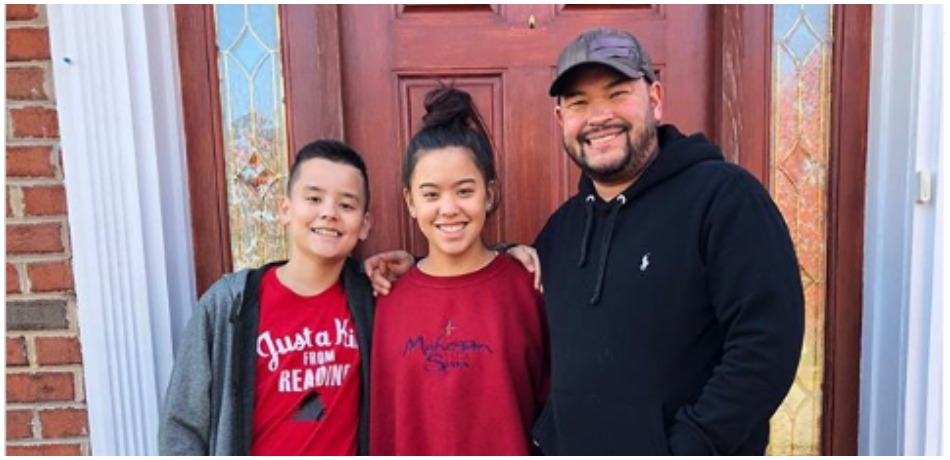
(449, 198)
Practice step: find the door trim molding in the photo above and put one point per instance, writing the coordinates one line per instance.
(201, 100)
(116, 77)
(743, 90)
(316, 84)
(901, 362)
(848, 156)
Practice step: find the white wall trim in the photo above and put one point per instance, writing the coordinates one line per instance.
(901, 352)
(118, 97)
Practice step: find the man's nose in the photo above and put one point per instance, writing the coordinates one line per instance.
(600, 112)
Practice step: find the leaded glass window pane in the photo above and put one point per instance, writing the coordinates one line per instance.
(254, 127)
(801, 58)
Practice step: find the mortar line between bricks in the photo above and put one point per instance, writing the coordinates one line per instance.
(38, 258)
(33, 181)
(47, 405)
(47, 296)
(28, 64)
(46, 369)
(44, 441)
(56, 219)
(31, 104)
(33, 142)
(38, 22)
(43, 334)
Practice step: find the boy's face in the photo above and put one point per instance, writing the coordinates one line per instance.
(325, 212)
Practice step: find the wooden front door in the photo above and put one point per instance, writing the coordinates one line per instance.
(359, 73)
(504, 56)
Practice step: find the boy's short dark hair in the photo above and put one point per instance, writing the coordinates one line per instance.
(331, 150)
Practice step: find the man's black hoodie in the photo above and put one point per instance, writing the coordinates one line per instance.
(676, 311)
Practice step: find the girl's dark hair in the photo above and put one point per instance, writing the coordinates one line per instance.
(335, 151)
(451, 120)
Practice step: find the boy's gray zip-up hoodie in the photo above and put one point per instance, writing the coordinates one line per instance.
(209, 405)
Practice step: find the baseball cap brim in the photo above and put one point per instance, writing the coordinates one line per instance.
(557, 87)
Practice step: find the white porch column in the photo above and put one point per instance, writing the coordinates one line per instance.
(116, 75)
(901, 363)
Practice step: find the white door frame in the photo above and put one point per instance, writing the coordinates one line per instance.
(118, 98)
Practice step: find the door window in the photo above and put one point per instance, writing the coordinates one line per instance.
(254, 129)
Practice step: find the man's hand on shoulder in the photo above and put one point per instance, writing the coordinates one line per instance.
(528, 257)
(384, 268)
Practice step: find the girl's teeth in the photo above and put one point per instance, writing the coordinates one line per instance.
(452, 228)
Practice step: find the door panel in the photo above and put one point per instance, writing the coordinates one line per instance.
(486, 93)
(505, 55)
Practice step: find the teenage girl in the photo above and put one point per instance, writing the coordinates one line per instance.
(459, 355)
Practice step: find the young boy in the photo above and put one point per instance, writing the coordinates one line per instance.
(275, 360)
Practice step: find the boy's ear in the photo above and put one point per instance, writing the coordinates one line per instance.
(284, 210)
(364, 227)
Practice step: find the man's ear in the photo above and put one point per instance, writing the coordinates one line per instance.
(656, 100)
(557, 112)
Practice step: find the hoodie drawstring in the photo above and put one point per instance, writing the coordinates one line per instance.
(588, 223)
(605, 247)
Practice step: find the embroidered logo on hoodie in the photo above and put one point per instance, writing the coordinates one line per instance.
(446, 352)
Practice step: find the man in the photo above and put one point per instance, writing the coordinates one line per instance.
(670, 280)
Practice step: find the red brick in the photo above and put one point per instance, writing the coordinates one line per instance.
(29, 162)
(34, 238)
(46, 450)
(21, 12)
(26, 84)
(57, 350)
(27, 44)
(16, 352)
(13, 280)
(44, 200)
(42, 386)
(64, 423)
(19, 424)
(50, 276)
(39, 122)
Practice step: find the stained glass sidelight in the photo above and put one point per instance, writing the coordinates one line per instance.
(801, 55)
(255, 139)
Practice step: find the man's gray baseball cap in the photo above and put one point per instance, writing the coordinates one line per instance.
(611, 47)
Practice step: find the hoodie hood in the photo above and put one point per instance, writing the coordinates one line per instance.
(676, 154)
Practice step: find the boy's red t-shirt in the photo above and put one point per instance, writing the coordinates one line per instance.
(306, 399)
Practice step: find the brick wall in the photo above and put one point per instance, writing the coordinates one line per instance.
(46, 408)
